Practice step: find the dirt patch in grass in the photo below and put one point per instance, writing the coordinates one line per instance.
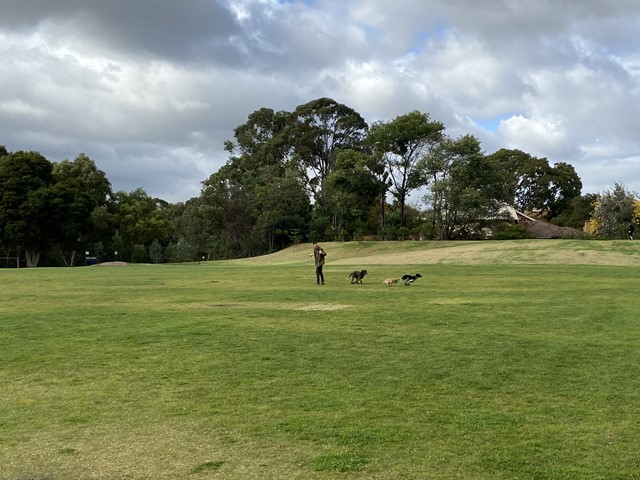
(321, 307)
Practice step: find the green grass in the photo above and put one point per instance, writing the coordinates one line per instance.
(248, 370)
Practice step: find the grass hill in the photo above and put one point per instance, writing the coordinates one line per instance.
(511, 252)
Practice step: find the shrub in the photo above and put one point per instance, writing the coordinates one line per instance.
(510, 231)
(139, 254)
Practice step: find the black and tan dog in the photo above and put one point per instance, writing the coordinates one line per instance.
(357, 276)
(409, 279)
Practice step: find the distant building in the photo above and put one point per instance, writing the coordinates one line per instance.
(539, 228)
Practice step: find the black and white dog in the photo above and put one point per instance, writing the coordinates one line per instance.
(409, 279)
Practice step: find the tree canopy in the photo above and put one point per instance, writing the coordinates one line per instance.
(401, 144)
(26, 214)
(465, 186)
(317, 132)
(319, 172)
(614, 210)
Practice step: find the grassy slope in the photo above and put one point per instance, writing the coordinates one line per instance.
(247, 369)
(567, 252)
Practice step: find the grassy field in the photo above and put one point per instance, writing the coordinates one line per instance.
(506, 360)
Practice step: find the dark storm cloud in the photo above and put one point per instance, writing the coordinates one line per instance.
(179, 30)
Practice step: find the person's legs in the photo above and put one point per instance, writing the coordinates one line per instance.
(319, 275)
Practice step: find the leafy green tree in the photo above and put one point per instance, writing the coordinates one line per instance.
(196, 225)
(155, 251)
(532, 184)
(257, 197)
(104, 227)
(578, 210)
(281, 207)
(83, 171)
(139, 254)
(464, 187)
(26, 222)
(140, 219)
(401, 144)
(565, 186)
(80, 189)
(317, 131)
(238, 220)
(210, 208)
(70, 211)
(260, 140)
(613, 212)
(229, 209)
(117, 243)
(414, 221)
(185, 250)
(353, 192)
(510, 165)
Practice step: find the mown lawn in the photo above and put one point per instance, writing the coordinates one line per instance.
(234, 371)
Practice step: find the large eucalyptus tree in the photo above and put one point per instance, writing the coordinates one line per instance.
(317, 132)
(401, 143)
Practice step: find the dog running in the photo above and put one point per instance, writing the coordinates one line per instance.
(357, 276)
(390, 281)
(409, 279)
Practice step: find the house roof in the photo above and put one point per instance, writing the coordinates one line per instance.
(542, 229)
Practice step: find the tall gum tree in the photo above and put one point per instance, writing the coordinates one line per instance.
(532, 184)
(80, 188)
(464, 186)
(259, 142)
(401, 144)
(260, 165)
(354, 190)
(317, 132)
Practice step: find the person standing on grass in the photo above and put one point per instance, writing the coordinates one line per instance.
(318, 258)
(630, 230)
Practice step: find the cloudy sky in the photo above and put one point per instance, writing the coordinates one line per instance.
(150, 89)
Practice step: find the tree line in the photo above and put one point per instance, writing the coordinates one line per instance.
(317, 173)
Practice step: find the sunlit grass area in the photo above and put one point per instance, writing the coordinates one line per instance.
(249, 370)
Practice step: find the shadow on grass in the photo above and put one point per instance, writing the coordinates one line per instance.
(206, 466)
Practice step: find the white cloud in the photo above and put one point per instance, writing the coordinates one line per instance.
(535, 135)
(151, 96)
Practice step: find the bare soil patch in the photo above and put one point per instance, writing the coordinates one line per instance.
(322, 307)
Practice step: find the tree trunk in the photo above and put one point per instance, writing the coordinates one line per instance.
(381, 217)
(402, 198)
(32, 257)
(70, 260)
